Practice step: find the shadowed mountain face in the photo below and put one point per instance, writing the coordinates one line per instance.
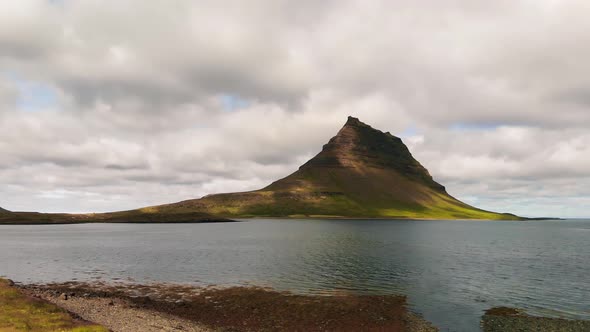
(3, 210)
(357, 146)
(361, 172)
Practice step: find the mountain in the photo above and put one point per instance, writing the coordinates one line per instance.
(361, 172)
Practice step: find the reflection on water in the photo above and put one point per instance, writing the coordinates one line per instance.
(450, 270)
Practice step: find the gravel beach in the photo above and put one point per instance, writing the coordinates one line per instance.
(162, 307)
(119, 315)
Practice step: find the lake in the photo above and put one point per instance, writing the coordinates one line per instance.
(451, 271)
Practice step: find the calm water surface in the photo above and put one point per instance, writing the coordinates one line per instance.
(450, 270)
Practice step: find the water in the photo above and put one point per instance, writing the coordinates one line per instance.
(450, 270)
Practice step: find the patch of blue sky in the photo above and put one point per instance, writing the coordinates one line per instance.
(232, 103)
(33, 96)
(409, 131)
(460, 126)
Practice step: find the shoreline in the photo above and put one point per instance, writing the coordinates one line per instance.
(117, 222)
(34, 218)
(171, 307)
(501, 319)
(129, 307)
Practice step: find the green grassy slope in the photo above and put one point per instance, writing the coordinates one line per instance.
(331, 201)
(21, 313)
(361, 172)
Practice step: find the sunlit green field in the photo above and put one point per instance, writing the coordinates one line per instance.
(20, 313)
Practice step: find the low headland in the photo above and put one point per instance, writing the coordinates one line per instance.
(131, 217)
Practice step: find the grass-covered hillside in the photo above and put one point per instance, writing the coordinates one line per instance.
(361, 172)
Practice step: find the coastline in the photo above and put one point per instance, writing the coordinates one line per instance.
(36, 218)
(123, 307)
(169, 307)
(502, 319)
(391, 218)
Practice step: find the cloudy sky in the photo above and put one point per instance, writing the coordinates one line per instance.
(109, 105)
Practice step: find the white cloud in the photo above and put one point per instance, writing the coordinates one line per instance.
(495, 95)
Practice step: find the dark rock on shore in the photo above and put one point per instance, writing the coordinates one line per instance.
(502, 319)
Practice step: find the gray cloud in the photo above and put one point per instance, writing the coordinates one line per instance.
(148, 103)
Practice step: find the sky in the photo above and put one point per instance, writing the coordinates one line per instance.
(112, 105)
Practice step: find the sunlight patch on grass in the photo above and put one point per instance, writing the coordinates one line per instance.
(20, 313)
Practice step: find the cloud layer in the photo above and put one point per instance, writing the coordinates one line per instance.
(120, 104)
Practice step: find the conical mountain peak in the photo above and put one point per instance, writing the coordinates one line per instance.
(360, 172)
(358, 133)
(352, 121)
(358, 146)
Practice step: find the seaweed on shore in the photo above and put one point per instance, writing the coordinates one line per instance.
(258, 309)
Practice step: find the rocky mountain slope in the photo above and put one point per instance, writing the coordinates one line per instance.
(361, 172)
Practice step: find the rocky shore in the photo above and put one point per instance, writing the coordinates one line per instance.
(119, 315)
(503, 319)
(126, 307)
(165, 307)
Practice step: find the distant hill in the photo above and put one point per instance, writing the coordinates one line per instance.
(141, 216)
(361, 172)
(133, 216)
